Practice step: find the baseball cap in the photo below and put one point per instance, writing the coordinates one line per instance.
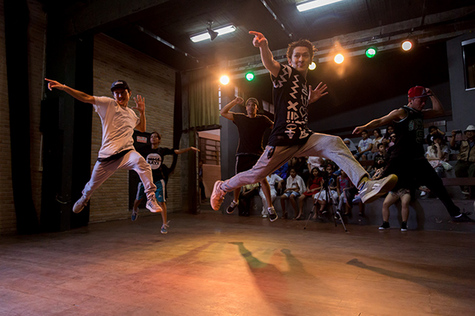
(119, 84)
(252, 100)
(470, 128)
(417, 92)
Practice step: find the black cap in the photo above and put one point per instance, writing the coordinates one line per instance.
(120, 84)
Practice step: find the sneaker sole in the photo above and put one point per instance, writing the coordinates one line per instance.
(387, 185)
(154, 211)
(215, 201)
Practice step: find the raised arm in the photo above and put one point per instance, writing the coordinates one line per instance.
(78, 95)
(225, 110)
(267, 58)
(437, 108)
(140, 106)
(394, 115)
(184, 150)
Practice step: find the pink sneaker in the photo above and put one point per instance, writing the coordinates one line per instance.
(217, 197)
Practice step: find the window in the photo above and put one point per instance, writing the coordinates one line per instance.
(468, 51)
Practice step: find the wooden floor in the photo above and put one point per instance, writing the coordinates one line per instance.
(215, 264)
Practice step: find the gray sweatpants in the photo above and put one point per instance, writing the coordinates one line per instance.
(130, 161)
(320, 145)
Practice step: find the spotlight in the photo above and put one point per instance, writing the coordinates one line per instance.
(224, 80)
(249, 76)
(312, 66)
(407, 45)
(371, 52)
(339, 58)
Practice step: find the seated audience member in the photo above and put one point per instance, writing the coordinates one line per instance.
(274, 180)
(438, 154)
(432, 131)
(364, 147)
(245, 197)
(328, 193)
(380, 161)
(295, 186)
(351, 145)
(282, 172)
(346, 192)
(314, 184)
(378, 138)
(465, 166)
(315, 162)
(387, 136)
(300, 165)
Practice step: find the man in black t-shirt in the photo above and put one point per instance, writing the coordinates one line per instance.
(154, 155)
(407, 158)
(251, 127)
(291, 136)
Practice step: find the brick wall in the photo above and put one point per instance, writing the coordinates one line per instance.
(156, 82)
(112, 60)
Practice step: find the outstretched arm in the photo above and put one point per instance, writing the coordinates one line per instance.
(266, 55)
(225, 110)
(394, 115)
(78, 95)
(184, 150)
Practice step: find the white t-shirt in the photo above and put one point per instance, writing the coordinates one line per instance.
(273, 179)
(297, 181)
(118, 125)
(364, 144)
(315, 162)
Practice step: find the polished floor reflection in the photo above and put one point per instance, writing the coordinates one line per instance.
(215, 264)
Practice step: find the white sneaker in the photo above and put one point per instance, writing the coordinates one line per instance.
(373, 189)
(272, 214)
(217, 197)
(153, 206)
(80, 204)
(164, 229)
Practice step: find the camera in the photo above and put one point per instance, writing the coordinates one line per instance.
(459, 131)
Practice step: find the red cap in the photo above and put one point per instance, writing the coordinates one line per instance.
(417, 92)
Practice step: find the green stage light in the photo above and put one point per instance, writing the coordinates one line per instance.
(249, 76)
(371, 52)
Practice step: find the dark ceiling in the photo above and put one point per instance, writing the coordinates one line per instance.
(141, 23)
(355, 24)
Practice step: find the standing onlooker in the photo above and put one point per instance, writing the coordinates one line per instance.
(155, 156)
(465, 166)
(251, 128)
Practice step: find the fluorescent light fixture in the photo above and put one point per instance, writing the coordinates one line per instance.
(205, 35)
(314, 4)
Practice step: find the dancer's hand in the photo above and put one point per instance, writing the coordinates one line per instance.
(53, 84)
(259, 39)
(139, 103)
(317, 93)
